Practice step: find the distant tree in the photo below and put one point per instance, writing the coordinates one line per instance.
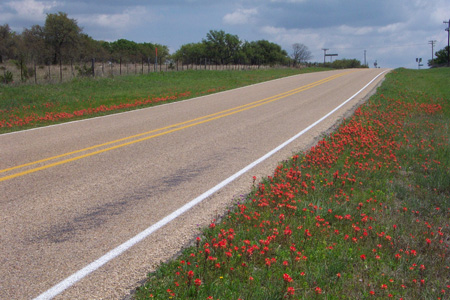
(146, 51)
(88, 48)
(24, 51)
(123, 49)
(190, 53)
(163, 53)
(346, 64)
(441, 58)
(6, 42)
(300, 54)
(263, 52)
(34, 43)
(220, 47)
(61, 34)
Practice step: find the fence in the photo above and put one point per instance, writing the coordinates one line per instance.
(39, 74)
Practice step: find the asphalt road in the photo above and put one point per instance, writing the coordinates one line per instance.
(71, 193)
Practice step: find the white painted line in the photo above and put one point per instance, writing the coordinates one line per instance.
(71, 280)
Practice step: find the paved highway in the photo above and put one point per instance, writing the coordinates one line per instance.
(83, 204)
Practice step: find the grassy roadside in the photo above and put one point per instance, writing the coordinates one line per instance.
(24, 107)
(364, 214)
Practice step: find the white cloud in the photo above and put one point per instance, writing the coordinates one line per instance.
(128, 19)
(288, 37)
(350, 30)
(30, 9)
(271, 30)
(441, 12)
(391, 28)
(240, 16)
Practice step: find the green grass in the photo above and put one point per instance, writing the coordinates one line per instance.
(364, 214)
(28, 106)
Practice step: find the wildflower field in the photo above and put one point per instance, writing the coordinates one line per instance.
(28, 106)
(364, 214)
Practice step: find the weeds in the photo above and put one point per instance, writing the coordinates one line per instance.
(363, 214)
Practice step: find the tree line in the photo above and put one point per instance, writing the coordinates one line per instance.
(60, 41)
(223, 48)
(441, 58)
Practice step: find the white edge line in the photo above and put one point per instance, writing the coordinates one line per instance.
(71, 280)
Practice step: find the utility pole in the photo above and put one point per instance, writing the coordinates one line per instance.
(432, 43)
(365, 57)
(324, 54)
(448, 41)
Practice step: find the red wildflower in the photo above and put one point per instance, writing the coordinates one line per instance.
(287, 278)
(198, 282)
(290, 291)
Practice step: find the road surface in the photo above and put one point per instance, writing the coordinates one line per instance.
(73, 195)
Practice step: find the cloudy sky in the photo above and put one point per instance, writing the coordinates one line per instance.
(393, 32)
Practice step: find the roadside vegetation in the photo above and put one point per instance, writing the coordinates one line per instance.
(364, 214)
(28, 106)
(60, 51)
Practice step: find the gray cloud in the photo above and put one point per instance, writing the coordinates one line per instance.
(392, 31)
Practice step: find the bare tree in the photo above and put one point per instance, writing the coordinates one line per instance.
(300, 53)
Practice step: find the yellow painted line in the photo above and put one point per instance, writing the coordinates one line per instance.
(197, 121)
(160, 129)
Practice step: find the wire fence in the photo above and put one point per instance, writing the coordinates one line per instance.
(10, 73)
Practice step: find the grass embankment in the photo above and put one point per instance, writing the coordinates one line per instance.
(364, 214)
(28, 106)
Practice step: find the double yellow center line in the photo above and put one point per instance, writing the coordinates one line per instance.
(154, 133)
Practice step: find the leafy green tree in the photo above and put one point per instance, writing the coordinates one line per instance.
(89, 48)
(263, 52)
(190, 53)
(346, 64)
(130, 51)
(61, 34)
(220, 47)
(147, 51)
(441, 58)
(251, 53)
(124, 49)
(163, 53)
